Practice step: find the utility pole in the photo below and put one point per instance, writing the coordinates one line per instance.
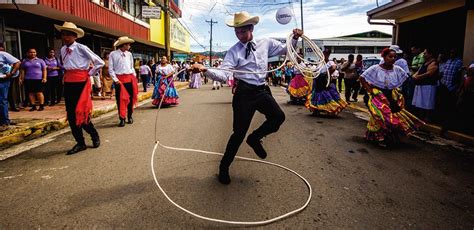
(167, 29)
(302, 28)
(210, 41)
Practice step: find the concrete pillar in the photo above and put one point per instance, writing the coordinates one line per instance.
(469, 38)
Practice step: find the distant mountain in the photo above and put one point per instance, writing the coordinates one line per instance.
(218, 54)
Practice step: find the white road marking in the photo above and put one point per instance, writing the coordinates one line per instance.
(46, 177)
(11, 177)
(51, 169)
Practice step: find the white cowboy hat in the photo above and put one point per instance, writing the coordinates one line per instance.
(123, 40)
(242, 19)
(69, 26)
(396, 49)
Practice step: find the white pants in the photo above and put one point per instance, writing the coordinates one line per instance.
(216, 84)
(96, 81)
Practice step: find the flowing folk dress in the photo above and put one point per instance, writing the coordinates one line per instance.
(387, 106)
(171, 95)
(299, 87)
(196, 81)
(325, 97)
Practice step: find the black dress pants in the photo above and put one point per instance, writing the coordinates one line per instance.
(72, 93)
(248, 99)
(52, 90)
(129, 88)
(352, 87)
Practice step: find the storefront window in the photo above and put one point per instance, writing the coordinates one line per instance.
(344, 49)
(11, 42)
(366, 50)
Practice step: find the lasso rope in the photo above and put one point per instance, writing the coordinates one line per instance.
(309, 72)
(293, 57)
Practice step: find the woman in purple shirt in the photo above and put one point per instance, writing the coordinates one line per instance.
(53, 68)
(33, 75)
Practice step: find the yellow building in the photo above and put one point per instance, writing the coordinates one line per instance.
(179, 35)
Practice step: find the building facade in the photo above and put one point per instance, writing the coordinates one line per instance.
(368, 44)
(28, 24)
(441, 24)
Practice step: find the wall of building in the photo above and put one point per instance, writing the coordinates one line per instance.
(179, 37)
(469, 38)
(430, 31)
(94, 13)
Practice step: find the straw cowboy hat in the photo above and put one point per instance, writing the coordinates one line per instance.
(123, 40)
(69, 26)
(242, 19)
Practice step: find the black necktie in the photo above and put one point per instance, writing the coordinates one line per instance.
(250, 48)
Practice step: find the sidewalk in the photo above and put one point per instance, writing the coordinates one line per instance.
(28, 125)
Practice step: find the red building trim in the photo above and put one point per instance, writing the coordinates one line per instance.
(175, 8)
(97, 14)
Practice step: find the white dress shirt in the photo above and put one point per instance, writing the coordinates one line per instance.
(257, 61)
(79, 57)
(120, 63)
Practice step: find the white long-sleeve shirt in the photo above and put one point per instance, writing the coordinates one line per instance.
(257, 61)
(120, 63)
(79, 57)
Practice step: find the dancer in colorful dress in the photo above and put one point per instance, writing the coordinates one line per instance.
(164, 80)
(196, 77)
(325, 98)
(298, 88)
(386, 104)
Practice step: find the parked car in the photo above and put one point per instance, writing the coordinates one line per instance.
(370, 61)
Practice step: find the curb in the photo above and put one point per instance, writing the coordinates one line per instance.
(435, 129)
(42, 128)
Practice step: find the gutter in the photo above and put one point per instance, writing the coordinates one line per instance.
(369, 20)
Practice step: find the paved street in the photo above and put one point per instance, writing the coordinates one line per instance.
(355, 184)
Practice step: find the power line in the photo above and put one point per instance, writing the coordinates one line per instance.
(191, 33)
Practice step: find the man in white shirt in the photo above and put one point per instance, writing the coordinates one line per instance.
(122, 71)
(76, 59)
(251, 93)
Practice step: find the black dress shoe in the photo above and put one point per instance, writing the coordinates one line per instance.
(95, 142)
(223, 176)
(130, 120)
(77, 148)
(122, 123)
(257, 147)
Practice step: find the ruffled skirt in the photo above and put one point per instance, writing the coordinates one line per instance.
(196, 82)
(389, 117)
(324, 98)
(299, 87)
(171, 96)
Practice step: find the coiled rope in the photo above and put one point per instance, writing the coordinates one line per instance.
(311, 71)
(293, 57)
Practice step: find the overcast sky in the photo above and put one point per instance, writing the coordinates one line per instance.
(322, 19)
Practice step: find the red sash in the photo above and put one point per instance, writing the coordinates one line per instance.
(84, 105)
(124, 96)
